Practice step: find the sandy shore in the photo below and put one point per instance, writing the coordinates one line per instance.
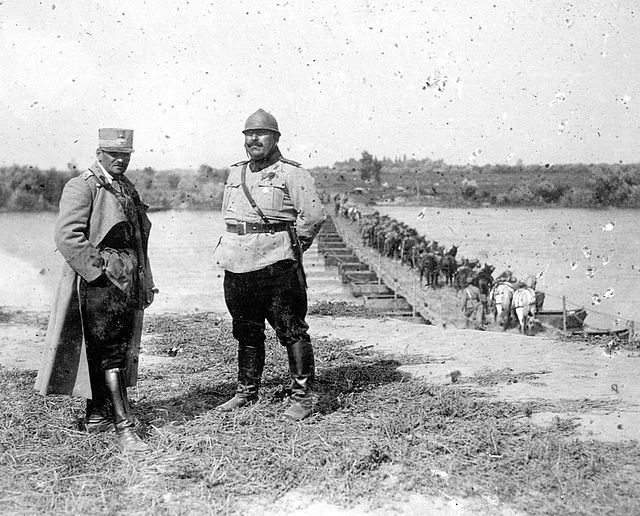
(599, 390)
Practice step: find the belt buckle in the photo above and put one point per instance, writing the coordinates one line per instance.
(242, 228)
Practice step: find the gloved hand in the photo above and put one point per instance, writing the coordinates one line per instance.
(305, 243)
(150, 296)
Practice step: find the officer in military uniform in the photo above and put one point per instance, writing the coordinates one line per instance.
(95, 326)
(272, 213)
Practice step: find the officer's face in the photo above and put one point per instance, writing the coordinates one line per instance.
(115, 163)
(259, 143)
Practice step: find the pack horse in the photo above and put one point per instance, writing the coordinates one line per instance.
(524, 306)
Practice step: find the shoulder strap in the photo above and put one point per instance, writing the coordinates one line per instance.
(240, 163)
(247, 193)
(101, 181)
(290, 162)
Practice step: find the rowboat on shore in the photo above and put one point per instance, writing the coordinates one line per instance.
(574, 318)
(620, 333)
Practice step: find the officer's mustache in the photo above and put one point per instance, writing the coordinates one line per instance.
(255, 144)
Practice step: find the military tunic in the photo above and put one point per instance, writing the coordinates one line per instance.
(284, 192)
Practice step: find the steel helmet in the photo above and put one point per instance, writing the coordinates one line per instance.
(261, 120)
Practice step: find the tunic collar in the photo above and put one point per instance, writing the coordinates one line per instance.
(256, 166)
(108, 177)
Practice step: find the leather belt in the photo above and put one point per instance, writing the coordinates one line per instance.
(244, 228)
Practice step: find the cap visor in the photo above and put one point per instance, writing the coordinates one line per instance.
(117, 149)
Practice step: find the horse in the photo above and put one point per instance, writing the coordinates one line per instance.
(470, 264)
(391, 244)
(417, 251)
(429, 266)
(524, 306)
(449, 267)
(406, 247)
(500, 298)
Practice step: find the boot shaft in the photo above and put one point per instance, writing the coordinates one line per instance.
(116, 387)
(302, 368)
(128, 439)
(250, 364)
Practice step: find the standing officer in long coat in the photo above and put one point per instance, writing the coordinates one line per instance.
(93, 337)
(272, 213)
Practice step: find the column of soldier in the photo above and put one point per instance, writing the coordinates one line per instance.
(397, 240)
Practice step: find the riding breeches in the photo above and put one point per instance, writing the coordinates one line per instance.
(276, 294)
(108, 320)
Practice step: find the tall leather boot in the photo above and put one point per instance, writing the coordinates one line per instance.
(250, 366)
(128, 439)
(98, 416)
(302, 368)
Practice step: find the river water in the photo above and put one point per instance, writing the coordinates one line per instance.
(180, 251)
(580, 253)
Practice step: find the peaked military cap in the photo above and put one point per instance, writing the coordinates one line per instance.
(115, 140)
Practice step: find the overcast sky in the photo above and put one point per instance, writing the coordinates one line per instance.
(463, 80)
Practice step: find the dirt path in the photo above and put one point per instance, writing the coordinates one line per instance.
(599, 390)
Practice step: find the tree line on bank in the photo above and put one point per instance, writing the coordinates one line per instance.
(28, 188)
(434, 182)
(399, 180)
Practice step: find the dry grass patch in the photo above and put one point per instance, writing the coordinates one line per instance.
(342, 309)
(375, 438)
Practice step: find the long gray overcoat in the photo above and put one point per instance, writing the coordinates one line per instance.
(87, 213)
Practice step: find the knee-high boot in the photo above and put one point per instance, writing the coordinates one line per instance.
(250, 366)
(302, 368)
(128, 439)
(98, 414)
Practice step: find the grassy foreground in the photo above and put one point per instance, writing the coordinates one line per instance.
(376, 437)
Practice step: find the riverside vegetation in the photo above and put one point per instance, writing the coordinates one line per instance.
(399, 180)
(376, 438)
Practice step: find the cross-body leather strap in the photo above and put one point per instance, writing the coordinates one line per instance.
(247, 193)
(293, 237)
